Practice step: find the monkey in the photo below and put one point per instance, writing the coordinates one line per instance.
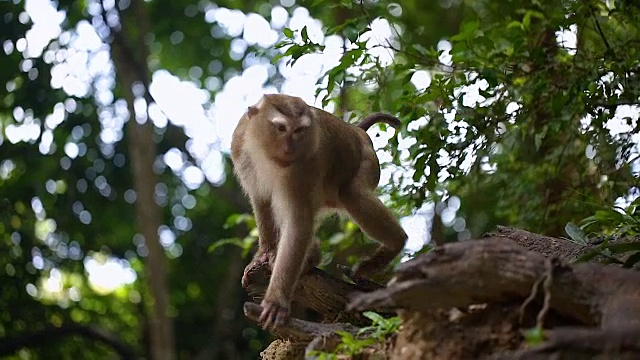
(295, 162)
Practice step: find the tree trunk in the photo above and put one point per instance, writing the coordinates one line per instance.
(130, 61)
(149, 219)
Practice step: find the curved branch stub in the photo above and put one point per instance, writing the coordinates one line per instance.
(300, 329)
(316, 290)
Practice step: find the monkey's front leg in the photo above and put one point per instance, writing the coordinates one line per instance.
(295, 240)
(267, 238)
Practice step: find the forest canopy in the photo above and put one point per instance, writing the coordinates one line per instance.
(123, 230)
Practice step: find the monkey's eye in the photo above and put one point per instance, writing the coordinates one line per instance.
(279, 127)
(300, 130)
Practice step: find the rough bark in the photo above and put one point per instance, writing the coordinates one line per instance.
(544, 245)
(473, 299)
(483, 271)
(129, 54)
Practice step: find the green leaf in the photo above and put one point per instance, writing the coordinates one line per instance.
(288, 33)
(491, 76)
(588, 221)
(537, 139)
(526, 21)
(534, 336)
(351, 32)
(236, 219)
(231, 241)
(467, 31)
(514, 24)
(419, 167)
(375, 317)
(576, 234)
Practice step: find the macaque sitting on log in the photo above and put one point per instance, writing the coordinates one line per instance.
(295, 161)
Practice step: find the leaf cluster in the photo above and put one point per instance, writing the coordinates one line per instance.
(615, 232)
(352, 344)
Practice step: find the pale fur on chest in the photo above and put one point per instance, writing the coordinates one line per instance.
(266, 180)
(261, 177)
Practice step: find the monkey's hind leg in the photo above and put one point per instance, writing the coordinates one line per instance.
(313, 256)
(377, 222)
(261, 257)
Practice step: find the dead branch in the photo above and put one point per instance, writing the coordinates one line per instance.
(319, 337)
(300, 329)
(491, 270)
(316, 290)
(562, 249)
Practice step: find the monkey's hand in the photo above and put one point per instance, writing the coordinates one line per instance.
(273, 314)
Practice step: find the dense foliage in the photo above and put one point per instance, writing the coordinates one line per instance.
(515, 112)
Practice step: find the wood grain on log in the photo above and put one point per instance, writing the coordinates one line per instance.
(491, 270)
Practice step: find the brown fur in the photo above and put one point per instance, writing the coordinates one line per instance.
(294, 161)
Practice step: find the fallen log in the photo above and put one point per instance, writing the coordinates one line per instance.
(605, 300)
(500, 288)
(482, 271)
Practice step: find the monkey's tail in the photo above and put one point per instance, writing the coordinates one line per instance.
(371, 119)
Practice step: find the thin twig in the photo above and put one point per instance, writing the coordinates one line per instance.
(615, 105)
(595, 20)
(550, 265)
(532, 295)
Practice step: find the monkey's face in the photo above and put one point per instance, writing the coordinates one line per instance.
(291, 138)
(284, 127)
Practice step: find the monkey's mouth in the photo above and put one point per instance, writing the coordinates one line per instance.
(284, 161)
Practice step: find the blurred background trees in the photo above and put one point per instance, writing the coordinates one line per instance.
(116, 192)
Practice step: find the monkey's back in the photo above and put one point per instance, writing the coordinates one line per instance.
(344, 150)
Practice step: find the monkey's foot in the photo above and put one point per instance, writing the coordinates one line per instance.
(245, 275)
(367, 269)
(375, 264)
(273, 315)
(258, 260)
(245, 278)
(313, 257)
(364, 283)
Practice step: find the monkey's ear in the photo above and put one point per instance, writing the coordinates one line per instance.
(253, 111)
